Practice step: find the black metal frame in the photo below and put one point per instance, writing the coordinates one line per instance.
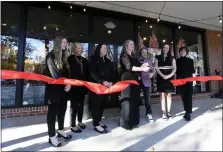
(91, 12)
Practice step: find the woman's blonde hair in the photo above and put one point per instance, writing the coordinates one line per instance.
(74, 47)
(125, 45)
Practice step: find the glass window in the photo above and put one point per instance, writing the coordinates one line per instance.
(9, 49)
(193, 41)
(42, 26)
(154, 37)
(109, 30)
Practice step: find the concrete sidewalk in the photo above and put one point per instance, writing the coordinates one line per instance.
(203, 132)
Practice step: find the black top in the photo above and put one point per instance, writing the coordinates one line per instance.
(185, 67)
(54, 92)
(101, 69)
(127, 62)
(76, 72)
(167, 62)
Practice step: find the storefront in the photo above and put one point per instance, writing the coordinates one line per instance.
(28, 30)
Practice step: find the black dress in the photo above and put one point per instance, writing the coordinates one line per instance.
(130, 97)
(165, 85)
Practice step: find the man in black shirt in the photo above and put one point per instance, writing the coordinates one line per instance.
(185, 69)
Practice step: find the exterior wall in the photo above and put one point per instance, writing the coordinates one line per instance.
(214, 54)
(7, 113)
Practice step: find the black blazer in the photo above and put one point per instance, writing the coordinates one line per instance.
(101, 69)
(54, 92)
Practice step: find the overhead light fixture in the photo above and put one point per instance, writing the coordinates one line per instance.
(151, 26)
(179, 27)
(164, 41)
(109, 31)
(44, 27)
(144, 38)
(71, 7)
(220, 20)
(146, 21)
(4, 24)
(158, 19)
(49, 7)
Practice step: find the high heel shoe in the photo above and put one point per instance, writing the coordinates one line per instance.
(55, 145)
(68, 136)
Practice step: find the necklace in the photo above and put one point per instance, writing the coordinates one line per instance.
(80, 62)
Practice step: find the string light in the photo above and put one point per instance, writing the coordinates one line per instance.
(179, 27)
(44, 27)
(220, 20)
(158, 19)
(4, 24)
(219, 35)
(146, 21)
(84, 9)
(49, 7)
(144, 38)
(151, 26)
(139, 26)
(71, 7)
(109, 31)
(57, 29)
(164, 41)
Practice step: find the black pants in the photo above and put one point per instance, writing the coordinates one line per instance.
(186, 92)
(146, 93)
(97, 106)
(58, 110)
(77, 106)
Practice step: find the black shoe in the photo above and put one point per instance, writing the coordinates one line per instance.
(68, 136)
(187, 117)
(104, 126)
(76, 131)
(101, 132)
(58, 145)
(81, 125)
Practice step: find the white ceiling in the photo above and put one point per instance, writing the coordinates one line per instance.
(181, 10)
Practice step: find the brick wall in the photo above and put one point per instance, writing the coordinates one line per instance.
(214, 54)
(42, 110)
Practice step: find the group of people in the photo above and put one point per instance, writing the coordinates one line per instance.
(99, 69)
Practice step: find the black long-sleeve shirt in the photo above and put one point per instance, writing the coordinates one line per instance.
(101, 69)
(75, 67)
(185, 67)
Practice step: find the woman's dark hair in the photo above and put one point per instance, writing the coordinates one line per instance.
(169, 56)
(182, 48)
(97, 51)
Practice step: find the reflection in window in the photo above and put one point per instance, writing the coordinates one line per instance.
(9, 49)
(193, 41)
(35, 54)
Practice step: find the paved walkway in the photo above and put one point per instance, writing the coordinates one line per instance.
(204, 132)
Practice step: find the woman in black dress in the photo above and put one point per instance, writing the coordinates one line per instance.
(79, 70)
(164, 86)
(130, 97)
(101, 71)
(56, 95)
(185, 69)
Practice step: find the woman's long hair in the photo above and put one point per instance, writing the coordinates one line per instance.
(169, 55)
(59, 54)
(124, 49)
(97, 51)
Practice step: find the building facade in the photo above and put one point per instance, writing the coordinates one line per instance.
(28, 28)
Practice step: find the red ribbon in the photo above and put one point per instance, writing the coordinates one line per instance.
(94, 87)
(191, 79)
